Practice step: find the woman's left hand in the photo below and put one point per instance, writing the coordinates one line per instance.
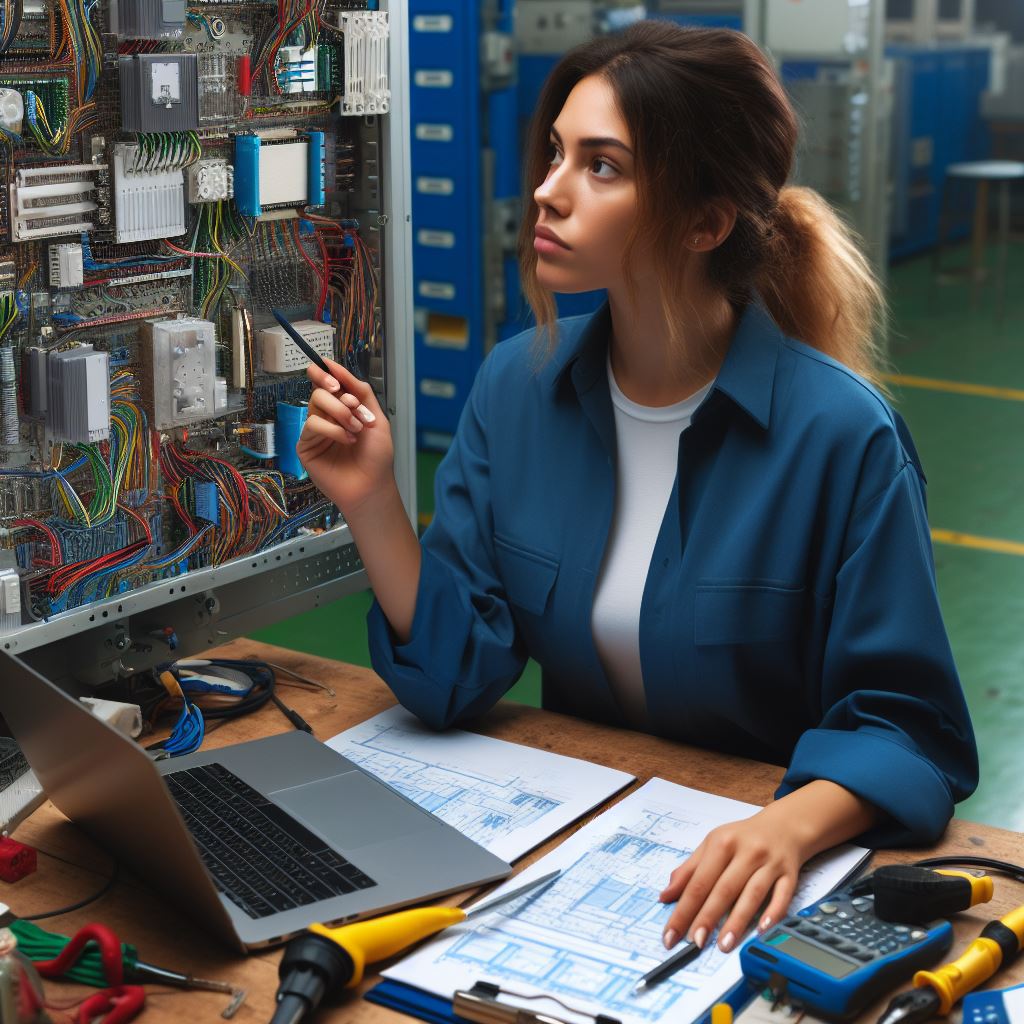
(735, 869)
(741, 865)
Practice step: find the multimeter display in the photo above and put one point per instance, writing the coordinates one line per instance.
(836, 956)
(817, 957)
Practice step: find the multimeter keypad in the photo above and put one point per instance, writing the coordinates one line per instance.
(850, 929)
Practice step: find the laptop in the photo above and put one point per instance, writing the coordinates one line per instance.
(264, 837)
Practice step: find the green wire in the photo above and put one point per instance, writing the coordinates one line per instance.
(39, 945)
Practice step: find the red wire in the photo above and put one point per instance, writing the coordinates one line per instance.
(120, 1002)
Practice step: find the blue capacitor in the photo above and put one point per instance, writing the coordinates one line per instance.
(290, 420)
(316, 168)
(247, 175)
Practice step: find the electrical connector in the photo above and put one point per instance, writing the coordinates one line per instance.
(16, 859)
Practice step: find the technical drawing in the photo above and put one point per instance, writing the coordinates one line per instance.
(504, 796)
(588, 937)
(604, 903)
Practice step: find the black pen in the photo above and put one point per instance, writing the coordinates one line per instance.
(680, 958)
(304, 346)
(314, 357)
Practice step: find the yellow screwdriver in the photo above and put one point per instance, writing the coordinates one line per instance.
(325, 959)
(936, 992)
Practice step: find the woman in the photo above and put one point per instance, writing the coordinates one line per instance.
(692, 508)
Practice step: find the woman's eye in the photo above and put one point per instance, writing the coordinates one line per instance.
(554, 157)
(602, 168)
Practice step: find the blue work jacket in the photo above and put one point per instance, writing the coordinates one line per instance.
(790, 612)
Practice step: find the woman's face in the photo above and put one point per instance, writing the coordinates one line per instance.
(588, 199)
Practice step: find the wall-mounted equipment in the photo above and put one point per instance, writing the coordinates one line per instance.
(210, 181)
(12, 110)
(278, 172)
(281, 355)
(179, 360)
(159, 92)
(66, 265)
(147, 203)
(78, 395)
(46, 202)
(367, 90)
(147, 19)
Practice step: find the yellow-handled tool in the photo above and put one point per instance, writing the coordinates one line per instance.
(936, 992)
(327, 959)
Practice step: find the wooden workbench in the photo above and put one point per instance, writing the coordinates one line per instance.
(71, 867)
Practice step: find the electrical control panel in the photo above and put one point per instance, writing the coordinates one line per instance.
(173, 171)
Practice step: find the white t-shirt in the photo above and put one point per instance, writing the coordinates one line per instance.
(646, 468)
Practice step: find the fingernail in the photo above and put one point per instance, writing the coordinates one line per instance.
(727, 942)
(669, 938)
(700, 937)
(333, 385)
(766, 923)
(365, 415)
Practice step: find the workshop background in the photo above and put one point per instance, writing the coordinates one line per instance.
(905, 106)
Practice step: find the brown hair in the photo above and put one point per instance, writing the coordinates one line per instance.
(710, 120)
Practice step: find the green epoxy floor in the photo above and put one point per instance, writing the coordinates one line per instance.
(973, 455)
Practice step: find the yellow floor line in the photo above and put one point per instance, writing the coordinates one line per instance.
(984, 390)
(967, 540)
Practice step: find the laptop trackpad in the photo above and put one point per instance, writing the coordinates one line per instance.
(351, 810)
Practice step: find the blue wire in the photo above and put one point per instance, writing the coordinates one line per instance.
(44, 474)
(188, 732)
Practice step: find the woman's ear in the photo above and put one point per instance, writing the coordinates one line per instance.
(716, 223)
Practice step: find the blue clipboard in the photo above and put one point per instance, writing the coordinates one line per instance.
(414, 1002)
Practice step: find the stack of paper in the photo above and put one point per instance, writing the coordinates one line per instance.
(504, 796)
(587, 938)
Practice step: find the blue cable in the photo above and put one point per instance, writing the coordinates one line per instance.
(188, 733)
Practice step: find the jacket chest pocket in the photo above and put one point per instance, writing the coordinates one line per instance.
(742, 612)
(526, 575)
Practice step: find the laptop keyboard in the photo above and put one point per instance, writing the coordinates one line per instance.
(12, 762)
(259, 855)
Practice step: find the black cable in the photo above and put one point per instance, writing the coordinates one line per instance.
(99, 894)
(12, 34)
(263, 686)
(1002, 867)
(293, 716)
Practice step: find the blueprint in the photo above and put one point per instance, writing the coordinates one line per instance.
(504, 796)
(588, 937)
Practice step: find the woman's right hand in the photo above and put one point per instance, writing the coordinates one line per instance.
(346, 443)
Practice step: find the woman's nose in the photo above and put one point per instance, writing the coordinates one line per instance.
(552, 193)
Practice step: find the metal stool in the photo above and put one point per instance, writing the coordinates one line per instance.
(984, 172)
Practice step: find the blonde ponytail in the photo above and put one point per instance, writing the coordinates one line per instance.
(818, 285)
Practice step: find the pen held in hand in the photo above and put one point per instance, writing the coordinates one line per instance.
(315, 358)
(304, 346)
(688, 952)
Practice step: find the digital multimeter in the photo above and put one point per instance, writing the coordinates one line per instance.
(836, 956)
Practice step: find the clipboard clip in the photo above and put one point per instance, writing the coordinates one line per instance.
(482, 1005)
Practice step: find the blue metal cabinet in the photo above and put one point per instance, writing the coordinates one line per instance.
(937, 121)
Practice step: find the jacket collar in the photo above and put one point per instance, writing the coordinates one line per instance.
(747, 376)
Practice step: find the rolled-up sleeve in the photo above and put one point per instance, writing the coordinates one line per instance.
(463, 653)
(894, 725)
